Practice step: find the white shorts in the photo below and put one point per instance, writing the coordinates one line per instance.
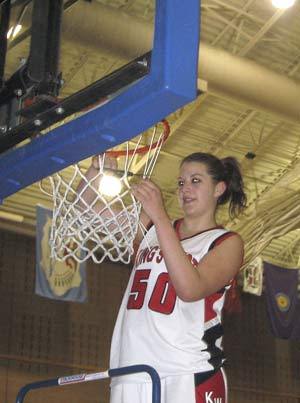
(175, 389)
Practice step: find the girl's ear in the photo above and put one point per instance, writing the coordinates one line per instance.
(220, 188)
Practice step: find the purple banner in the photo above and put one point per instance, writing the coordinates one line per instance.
(283, 302)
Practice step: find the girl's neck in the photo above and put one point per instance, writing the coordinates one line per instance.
(189, 227)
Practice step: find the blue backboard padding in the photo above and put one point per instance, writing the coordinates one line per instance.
(171, 83)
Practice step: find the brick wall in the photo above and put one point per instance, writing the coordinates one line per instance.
(42, 338)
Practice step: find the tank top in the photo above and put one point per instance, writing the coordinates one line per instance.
(155, 327)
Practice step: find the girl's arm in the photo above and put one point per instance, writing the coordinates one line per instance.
(215, 269)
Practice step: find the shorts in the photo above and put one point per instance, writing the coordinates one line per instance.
(198, 388)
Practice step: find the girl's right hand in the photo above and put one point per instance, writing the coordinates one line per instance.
(150, 196)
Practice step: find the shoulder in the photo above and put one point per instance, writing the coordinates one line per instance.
(222, 262)
(228, 248)
(235, 240)
(229, 238)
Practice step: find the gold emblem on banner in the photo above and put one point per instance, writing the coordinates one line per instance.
(61, 276)
(283, 301)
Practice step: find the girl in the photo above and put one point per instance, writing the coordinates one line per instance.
(170, 317)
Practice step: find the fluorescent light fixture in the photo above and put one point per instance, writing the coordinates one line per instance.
(11, 216)
(110, 185)
(13, 31)
(283, 3)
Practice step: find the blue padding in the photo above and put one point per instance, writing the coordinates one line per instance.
(171, 83)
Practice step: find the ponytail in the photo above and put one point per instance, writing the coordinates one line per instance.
(234, 193)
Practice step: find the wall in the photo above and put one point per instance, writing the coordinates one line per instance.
(42, 339)
(260, 367)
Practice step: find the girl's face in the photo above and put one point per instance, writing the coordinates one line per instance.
(198, 193)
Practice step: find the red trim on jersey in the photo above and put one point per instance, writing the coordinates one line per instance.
(214, 389)
(221, 238)
(210, 313)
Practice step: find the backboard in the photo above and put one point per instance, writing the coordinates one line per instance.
(132, 98)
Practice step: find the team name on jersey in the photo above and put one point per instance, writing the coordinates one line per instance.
(154, 254)
(149, 255)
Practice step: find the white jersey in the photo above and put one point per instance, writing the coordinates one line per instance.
(157, 328)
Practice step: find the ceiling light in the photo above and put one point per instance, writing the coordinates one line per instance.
(110, 185)
(283, 3)
(13, 31)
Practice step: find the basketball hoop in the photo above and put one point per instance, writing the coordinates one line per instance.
(106, 225)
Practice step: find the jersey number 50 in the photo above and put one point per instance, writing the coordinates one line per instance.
(163, 296)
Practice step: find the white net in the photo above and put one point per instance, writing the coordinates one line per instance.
(91, 222)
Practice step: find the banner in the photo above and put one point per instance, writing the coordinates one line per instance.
(253, 277)
(283, 304)
(65, 281)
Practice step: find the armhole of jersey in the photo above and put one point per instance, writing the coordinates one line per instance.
(221, 238)
(217, 242)
(150, 225)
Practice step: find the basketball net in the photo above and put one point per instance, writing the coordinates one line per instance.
(106, 225)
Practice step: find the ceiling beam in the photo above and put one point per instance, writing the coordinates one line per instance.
(264, 29)
(236, 17)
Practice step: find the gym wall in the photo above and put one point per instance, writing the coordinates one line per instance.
(42, 339)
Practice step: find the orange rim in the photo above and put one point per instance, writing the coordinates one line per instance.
(143, 149)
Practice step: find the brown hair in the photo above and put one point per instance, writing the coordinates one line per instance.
(225, 170)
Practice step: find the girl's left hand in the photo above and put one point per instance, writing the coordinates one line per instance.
(151, 198)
